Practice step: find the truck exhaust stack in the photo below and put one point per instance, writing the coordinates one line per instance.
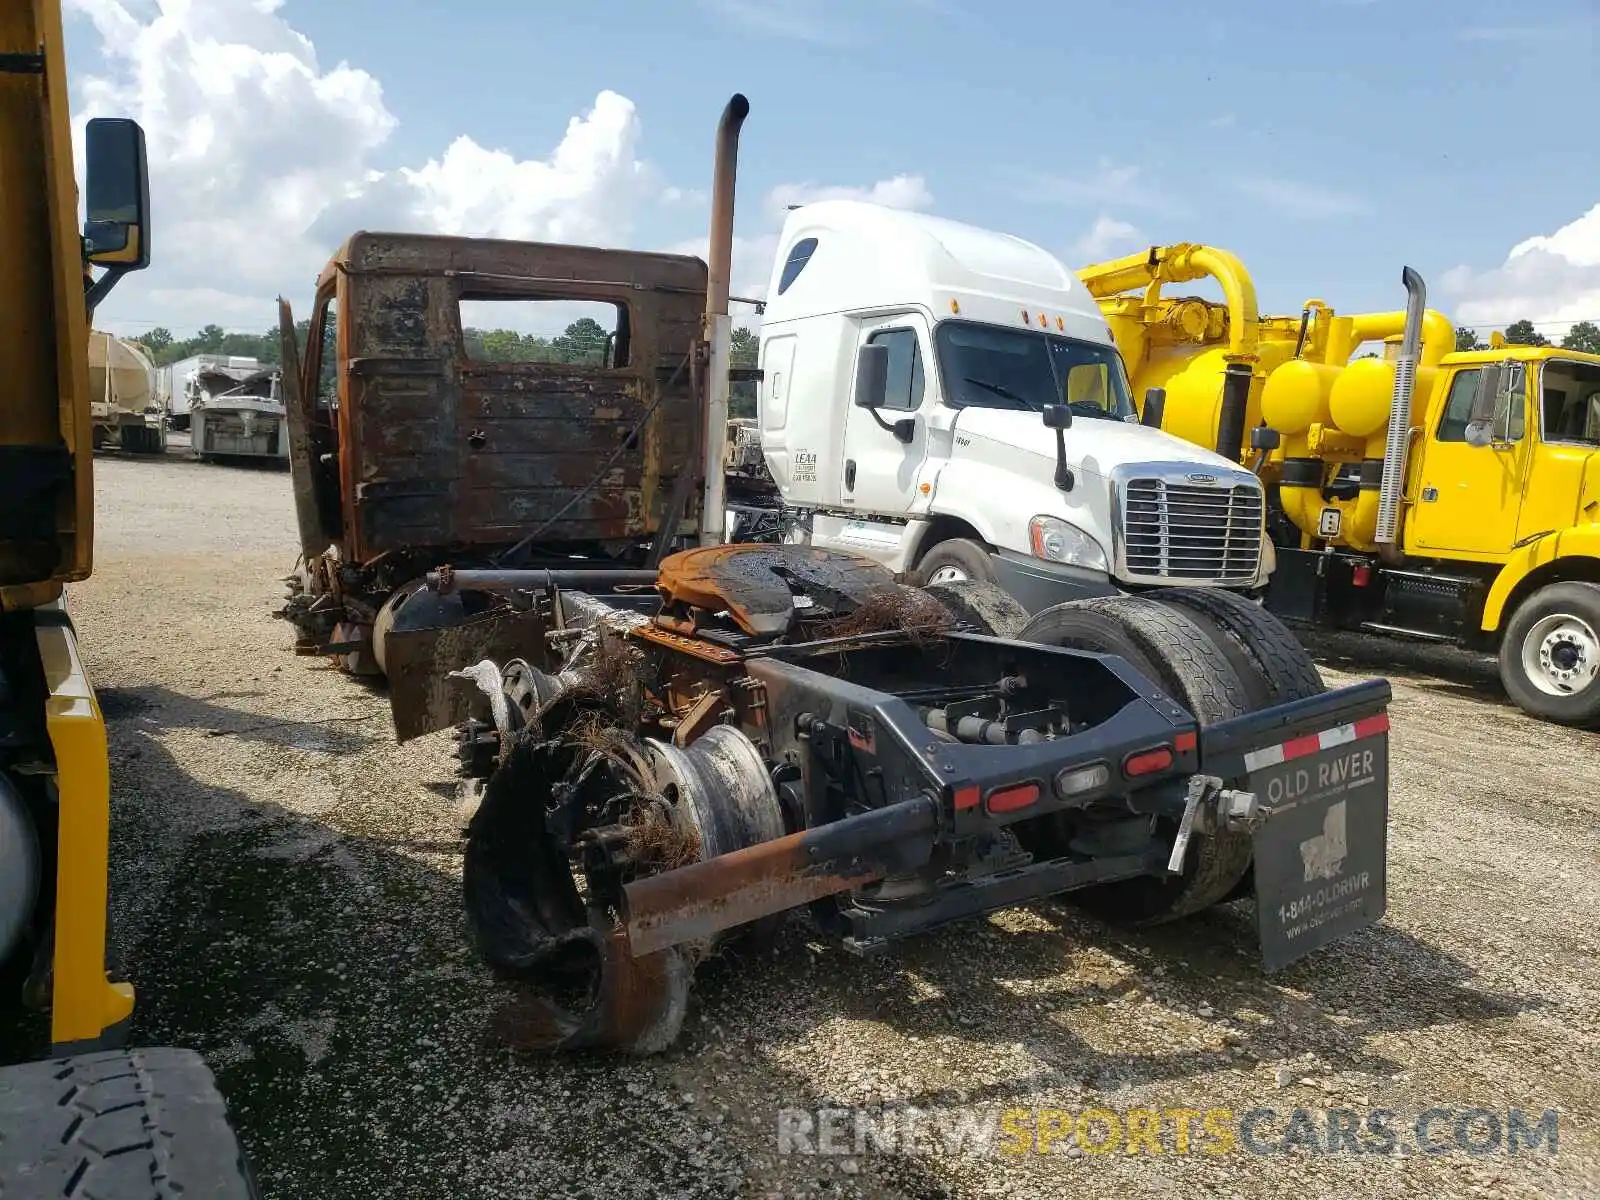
(1405, 382)
(717, 331)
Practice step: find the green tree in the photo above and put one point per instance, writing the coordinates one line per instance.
(1584, 335)
(745, 352)
(585, 341)
(155, 340)
(1467, 339)
(1522, 333)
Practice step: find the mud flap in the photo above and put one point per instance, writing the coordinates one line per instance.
(1321, 851)
(422, 697)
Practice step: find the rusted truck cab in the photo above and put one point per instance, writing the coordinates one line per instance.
(416, 442)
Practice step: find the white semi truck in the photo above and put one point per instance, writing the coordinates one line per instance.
(949, 401)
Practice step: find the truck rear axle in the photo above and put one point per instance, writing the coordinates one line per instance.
(792, 729)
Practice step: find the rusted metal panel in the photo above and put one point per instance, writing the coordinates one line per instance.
(422, 697)
(442, 451)
(756, 584)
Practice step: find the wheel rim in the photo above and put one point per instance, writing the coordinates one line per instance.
(949, 574)
(1561, 655)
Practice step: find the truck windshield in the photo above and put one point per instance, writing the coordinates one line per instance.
(987, 366)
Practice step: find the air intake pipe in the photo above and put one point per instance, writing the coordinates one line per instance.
(1235, 400)
(717, 331)
(1399, 437)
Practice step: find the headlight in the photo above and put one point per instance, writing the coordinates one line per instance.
(1269, 557)
(1060, 541)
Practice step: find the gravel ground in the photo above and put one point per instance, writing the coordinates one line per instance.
(287, 900)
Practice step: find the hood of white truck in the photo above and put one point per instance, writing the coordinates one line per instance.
(1094, 446)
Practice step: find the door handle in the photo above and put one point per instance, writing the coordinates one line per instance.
(850, 474)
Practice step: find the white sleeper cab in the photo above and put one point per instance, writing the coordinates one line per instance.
(949, 401)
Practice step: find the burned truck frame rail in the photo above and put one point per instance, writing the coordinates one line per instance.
(414, 445)
(792, 729)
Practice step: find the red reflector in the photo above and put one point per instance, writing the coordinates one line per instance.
(966, 797)
(1186, 742)
(1368, 726)
(1012, 798)
(1360, 575)
(1147, 762)
(1301, 746)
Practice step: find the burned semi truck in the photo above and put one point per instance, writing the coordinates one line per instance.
(671, 747)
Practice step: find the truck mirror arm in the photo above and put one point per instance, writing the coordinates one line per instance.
(1064, 479)
(96, 291)
(904, 429)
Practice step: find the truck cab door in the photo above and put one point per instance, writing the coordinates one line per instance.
(882, 467)
(1470, 485)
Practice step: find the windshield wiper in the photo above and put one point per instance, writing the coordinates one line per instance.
(999, 389)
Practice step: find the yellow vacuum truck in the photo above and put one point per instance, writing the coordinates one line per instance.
(1421, 493)
(93, 1119)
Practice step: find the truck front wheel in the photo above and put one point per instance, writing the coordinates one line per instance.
(1550, 655)
(954, 561)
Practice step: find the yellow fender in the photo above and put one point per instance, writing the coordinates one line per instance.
(1580, 542)
(85, 1005)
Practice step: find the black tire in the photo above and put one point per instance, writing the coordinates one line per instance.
(1273, 664)
(1578, 603)
(1271, 659)
(987, 607)
(1173, 649)
(121, 1123)
(958, 554)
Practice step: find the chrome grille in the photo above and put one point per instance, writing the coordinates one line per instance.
(1195, 533)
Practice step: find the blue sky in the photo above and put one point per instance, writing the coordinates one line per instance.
(1327, 143)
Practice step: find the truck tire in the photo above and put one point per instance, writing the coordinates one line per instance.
(140, 1124)
(1274, 665)
(987, 607)
(1174, 650)
(1550, 654)
(955, 560)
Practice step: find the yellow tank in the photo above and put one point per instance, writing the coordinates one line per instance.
(1331, 414)
(1297, 395)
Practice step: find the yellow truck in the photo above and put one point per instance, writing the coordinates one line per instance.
(93, 1119)
(1421, 493)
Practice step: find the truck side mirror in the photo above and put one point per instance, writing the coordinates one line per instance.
(1059, 418)
(1483, 404)
(1264, 437)
(872, 376)
(1155, 407)
(116, 231)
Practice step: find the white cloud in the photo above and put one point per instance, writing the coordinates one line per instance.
(902, 191)
(1305, 201)
(1552, 279)
(1104, 238)
(261, 162)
